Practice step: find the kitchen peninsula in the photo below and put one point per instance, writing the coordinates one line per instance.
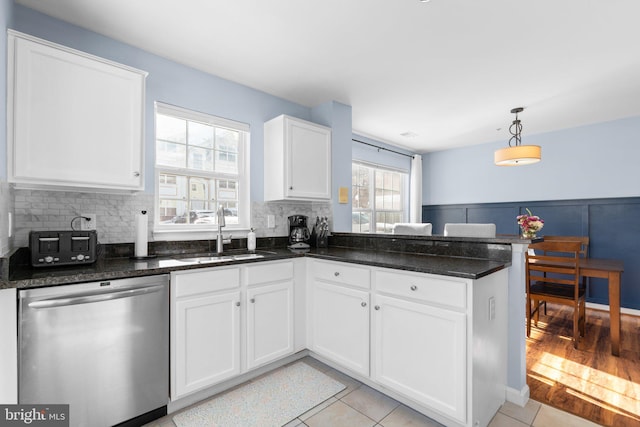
(454, 290)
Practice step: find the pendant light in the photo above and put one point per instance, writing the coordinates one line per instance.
(517, 154)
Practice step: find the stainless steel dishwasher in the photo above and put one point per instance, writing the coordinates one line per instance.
(102, 348)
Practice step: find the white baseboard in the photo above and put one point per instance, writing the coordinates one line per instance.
(519, 397)
(623, 310)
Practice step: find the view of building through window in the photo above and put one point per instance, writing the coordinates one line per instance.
(378, 198)
(199, 168)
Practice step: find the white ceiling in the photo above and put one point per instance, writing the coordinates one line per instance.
(449, 71)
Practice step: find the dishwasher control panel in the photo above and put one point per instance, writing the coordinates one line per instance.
(53, 248)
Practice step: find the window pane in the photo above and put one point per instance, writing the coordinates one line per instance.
(379, 199)
(171, 129)
(210, 158)
(388, 180)
(360, 222)
(199, 191)
(171, 154)
(363, 197)
(173, 211)
(200, 135)
(381, 193)
(200, 159)
(379, 179)
(397, 182)
(227, 190)
(227, 150)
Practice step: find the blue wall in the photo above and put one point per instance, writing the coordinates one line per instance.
(612, 226)
(594, 161)
(338, 117)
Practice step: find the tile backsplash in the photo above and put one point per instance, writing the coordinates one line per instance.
(115, 213)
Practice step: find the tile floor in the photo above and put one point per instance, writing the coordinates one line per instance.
(361, 406)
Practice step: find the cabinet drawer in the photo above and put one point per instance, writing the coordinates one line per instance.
(339, 272)
(269, 272)
(423, 287)
(197, 282)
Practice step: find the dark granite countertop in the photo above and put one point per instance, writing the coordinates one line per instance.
(465, 267)
(108, 268)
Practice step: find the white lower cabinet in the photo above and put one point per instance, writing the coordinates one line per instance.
(208, 346)
(205, 329)
(224, 316)
(340, 319)
(437, 342)
(269, 323)
(420, 351)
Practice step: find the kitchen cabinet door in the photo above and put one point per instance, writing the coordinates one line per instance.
(206, 341)
(269, 323)
(419, 350)
(74, 119)
(297, 160)
(339, 325)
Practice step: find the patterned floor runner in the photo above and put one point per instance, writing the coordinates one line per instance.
(272, 400)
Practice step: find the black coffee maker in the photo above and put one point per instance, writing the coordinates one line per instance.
(298, 232)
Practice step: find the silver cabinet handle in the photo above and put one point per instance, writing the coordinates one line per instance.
(377, 307)
(364, 304)
(337, 273)
(238, 304)
(136, 174)
(414, 287)
(252, 300)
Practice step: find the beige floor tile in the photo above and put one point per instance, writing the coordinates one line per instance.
(318, 408)
(549, 416)
(339, 415)
(351, 383)
(370, 402)
(294, 423)
(525, 414)
(404, 416)
(502, 420)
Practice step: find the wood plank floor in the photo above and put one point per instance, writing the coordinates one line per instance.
(588, 382)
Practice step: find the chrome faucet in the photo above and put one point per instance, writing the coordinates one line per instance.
(221, 223)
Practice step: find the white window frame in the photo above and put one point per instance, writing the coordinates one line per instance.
(372, 211)
(243, 178)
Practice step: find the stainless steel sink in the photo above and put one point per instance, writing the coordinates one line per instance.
(205, 259)
(221, 258)
(247, 256)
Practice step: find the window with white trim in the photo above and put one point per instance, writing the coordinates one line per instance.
(379, 198)
(201, 165)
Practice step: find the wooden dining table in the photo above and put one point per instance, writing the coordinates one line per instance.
(610, 269)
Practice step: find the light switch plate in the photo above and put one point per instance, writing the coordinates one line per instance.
(271, 221)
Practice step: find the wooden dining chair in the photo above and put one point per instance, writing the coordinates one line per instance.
(584, 252)
(584, 242)
(553, 275)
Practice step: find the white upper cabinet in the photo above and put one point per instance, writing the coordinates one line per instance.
(297, 160)
(74, 120)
